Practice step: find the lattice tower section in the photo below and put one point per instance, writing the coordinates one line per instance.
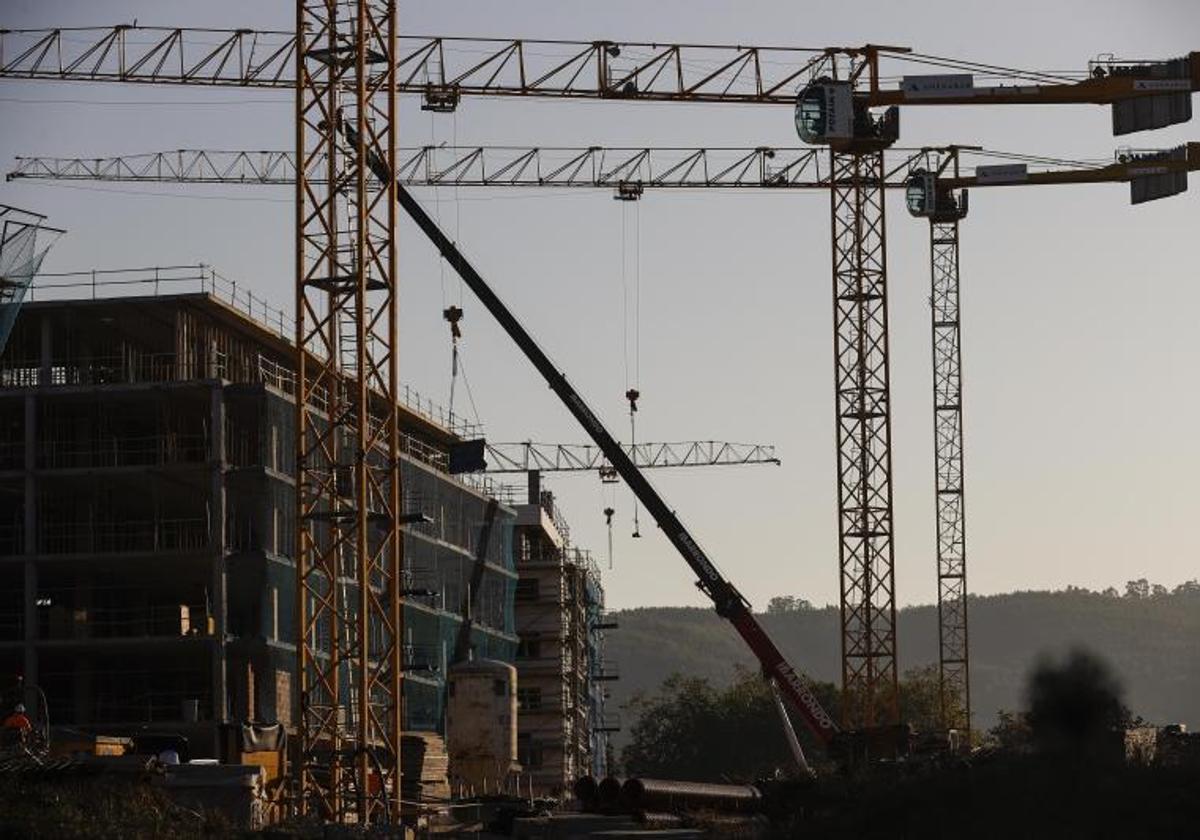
(868, 611)
(349, 566)
(955, 693)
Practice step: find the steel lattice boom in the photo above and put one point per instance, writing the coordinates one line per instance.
(562, 457)
(440, 68)
(616, 168)
(349, 565)
(445, 69)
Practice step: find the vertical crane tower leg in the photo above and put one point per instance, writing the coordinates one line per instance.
(955, 696)
(349, 546)
(868, 611)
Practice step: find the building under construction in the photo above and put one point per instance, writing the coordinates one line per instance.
(560, 620)
(147, 521)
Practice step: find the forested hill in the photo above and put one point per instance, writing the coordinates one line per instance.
(1150, 637)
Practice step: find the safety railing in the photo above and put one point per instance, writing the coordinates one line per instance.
(199, 278)
(12, 455)
(12, 538)
(149, 707)
(607, 722)
(155, 281)
(139, 451)
(123, 536)
(605, 671)
(12, 625)
(110, 622)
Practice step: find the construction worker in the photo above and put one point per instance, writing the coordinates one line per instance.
(18, 720)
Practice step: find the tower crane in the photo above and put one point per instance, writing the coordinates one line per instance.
(565, 457)
(939, 194)
(349, 66)
(935, 186)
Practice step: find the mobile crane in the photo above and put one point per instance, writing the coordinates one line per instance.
(729, 603)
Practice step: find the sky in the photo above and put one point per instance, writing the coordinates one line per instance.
(1079, 311)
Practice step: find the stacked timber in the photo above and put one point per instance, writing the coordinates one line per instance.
(425, 767)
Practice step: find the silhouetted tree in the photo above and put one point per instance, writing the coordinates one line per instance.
(1073, 704)
(919, 703)
(1011, 731)
(690, 730)
(781, 604)
(1139, 588)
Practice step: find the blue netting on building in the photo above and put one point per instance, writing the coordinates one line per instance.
(460, 564)
(22, 249)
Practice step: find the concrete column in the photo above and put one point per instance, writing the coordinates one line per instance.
(534, 487)
(218, 581)
(30, 547)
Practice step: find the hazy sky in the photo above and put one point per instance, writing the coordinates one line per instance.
(1079, 311)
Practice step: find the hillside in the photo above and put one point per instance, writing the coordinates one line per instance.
(1150, 641)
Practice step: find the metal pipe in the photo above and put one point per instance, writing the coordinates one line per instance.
(609, 792)
(654, 795)
(586, 791)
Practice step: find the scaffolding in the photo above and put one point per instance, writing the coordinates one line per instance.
(563, 729)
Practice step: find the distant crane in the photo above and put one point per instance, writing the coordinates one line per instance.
(565, 457)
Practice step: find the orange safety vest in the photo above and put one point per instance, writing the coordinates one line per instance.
(17, 720)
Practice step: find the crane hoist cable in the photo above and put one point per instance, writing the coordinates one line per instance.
(632, 393)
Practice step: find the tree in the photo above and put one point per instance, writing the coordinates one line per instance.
(920, 706)
(690, 730)
(782, 604)
(1011, 731)
(1074, 704)
(1188, 587)
(1139, 588)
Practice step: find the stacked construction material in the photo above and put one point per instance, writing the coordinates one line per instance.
(425, 767)
(668, 796)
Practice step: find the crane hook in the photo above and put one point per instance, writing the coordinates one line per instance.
(608, 515)
(453, 314)
(632, 395)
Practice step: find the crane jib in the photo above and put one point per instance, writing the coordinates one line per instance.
(728, 601)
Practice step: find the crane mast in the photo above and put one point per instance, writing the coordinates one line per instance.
(350, 657)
